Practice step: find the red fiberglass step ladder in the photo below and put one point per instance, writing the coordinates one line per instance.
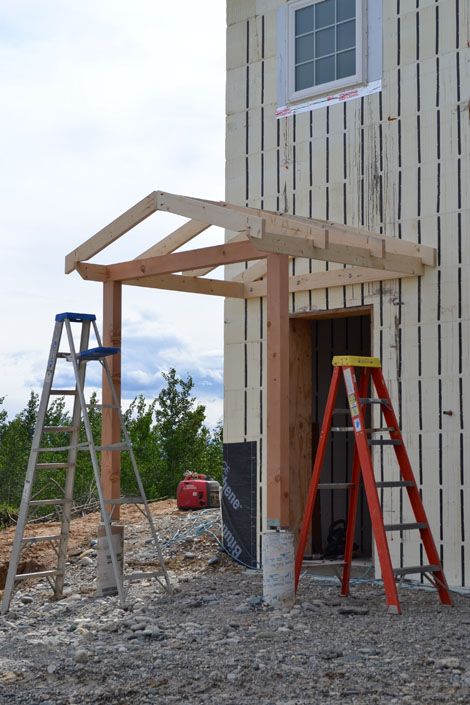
(357, 395)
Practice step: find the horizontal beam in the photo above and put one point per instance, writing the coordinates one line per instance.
(210, 212)
(215, 256)
(111, 232)
(193, 285)
(176, 239)
(239, 237)
(325, 280)
(357, 255)
(338, 234)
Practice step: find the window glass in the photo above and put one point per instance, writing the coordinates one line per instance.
(325, 70)
(345, 9)
(324, 13)
(324, 43)
(304, 76)
(304, 48)
(304, 20)
(346, 64)
(346, 35)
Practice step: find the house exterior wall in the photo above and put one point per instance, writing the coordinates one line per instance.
(397, 162)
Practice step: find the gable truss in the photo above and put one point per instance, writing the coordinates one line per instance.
(255, 234)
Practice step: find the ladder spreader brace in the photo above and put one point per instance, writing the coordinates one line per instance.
(357, 396)
(59, 542)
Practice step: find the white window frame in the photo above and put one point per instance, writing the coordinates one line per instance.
(332, 86)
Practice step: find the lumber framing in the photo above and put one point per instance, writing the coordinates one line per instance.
(266, 240)
(214, 256)
(176, 239)
(110, 422)
(277, 375)
(193, 285)
(324, 280)
(111, 232)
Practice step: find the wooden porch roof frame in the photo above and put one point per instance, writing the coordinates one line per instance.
(266, 239)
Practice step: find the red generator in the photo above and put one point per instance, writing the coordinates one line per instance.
(197, 491)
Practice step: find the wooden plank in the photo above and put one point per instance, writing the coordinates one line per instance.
(176, 239)
(332, 233)
(325, 280)
(239, 237)
(278, 392)
(303, 246)
(256, 271)
(214, 256)
(211, 212)
(112, 232)
(179, 282)
(110, 424)
(300, 420)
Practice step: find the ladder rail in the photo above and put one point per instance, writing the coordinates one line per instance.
(370, 488)
(137, 476)
(353, 498)
(315, 478)
(414, 496)
(72, 460)
(96, 470)
(31, 469)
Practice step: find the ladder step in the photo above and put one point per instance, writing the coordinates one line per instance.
(39, 574)
(344, 429)
(125, 500)
(113, 446)
(396, 483)
(133, 577)
(97, 353)
(405, 527)
(58, 429)
(417, 569)
(52, 466)
(63, 355)
(46, 502)
(341, 411)
(57, 449)
(384, 442)
(335, 485)
(373, 400)
(41, 539)
(63, 392)
(102, 406)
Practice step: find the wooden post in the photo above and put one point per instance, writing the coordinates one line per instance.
(278, 391)
(110, 426)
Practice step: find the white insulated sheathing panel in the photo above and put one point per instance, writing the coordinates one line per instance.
(396, 162)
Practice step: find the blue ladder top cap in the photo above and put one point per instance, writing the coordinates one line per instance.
(97, 353)
(75, 317)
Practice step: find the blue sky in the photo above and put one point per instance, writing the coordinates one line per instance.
(102, 103)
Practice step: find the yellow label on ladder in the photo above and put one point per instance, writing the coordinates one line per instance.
(355, 361)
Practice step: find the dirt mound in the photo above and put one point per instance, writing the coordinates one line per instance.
(41, 556)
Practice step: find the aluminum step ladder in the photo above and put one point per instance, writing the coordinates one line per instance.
(64, 503)
(358, 400)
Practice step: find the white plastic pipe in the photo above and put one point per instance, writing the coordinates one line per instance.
(278, 568)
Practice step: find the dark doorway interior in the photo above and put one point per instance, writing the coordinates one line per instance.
(337, 336)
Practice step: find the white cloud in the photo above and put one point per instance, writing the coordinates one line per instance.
(103, 102)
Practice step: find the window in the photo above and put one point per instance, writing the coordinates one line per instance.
(326, 44)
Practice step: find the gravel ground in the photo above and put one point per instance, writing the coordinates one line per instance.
(215, 642)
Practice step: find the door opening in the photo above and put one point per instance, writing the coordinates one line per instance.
(314, 340)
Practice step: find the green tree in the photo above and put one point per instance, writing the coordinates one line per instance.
(139, 421)
(214, 452)
(15, 447)
(182, 435)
